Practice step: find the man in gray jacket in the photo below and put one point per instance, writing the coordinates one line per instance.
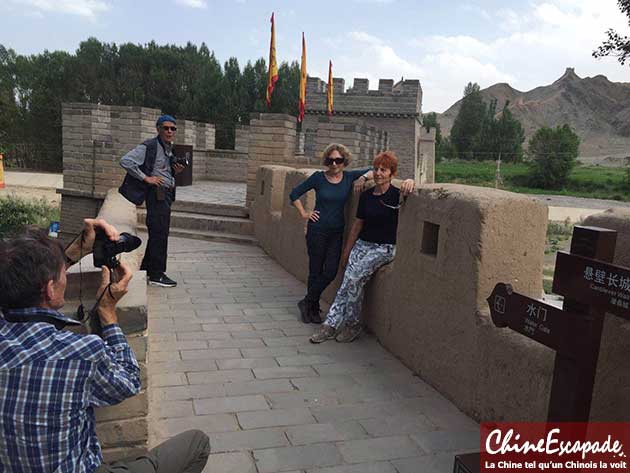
(151, 177)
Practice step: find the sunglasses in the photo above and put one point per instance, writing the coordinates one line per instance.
(169, 128)
(338, 161)
(395, 207)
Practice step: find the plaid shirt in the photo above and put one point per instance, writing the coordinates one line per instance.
(50, 382)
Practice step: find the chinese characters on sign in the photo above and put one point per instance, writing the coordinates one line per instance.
(593, 282)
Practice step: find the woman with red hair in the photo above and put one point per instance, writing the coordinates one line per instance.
(371, 244)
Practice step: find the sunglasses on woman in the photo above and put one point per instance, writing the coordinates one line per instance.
(169, 128)
(401, 201)
(337, 161)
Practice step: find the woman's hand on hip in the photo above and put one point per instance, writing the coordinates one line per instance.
(312, 216)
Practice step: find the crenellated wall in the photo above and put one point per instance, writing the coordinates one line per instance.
(429, 306)
(274, 139)
(393, 108)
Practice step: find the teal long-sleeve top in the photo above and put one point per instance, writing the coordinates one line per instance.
(330, 199)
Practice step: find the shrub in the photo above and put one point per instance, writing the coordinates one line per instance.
(17, 213)
(553, 152)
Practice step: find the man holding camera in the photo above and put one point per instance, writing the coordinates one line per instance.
(51, 380)
(150, 177)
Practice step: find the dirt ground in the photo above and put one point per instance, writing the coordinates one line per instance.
(49, 195)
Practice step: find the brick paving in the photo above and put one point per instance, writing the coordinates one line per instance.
(229, 356)
(214, 192)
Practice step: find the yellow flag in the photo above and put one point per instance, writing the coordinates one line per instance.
(272, 77)
(302, 96)
(329, 91)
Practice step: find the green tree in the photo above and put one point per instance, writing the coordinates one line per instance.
(186, 81)
(286, 91)
(616, 44)
(8, 106)
(429, 121)
(553, 153)
(511, 136)
(468, 123)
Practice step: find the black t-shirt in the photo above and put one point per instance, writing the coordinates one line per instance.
(379, 222)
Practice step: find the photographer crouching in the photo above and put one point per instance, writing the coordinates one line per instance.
(51, 380)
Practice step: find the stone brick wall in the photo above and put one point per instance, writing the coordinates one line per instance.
(363, 141)
(95, 137)
(394, 108)
(272, 140)
(425, 163)
(241, 138)
(225, 165)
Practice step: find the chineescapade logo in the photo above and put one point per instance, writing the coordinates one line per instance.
(556, 447)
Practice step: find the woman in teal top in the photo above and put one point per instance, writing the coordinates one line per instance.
(324, 235)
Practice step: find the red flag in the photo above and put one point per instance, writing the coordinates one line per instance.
(272, 77)
(302, 96)
(329, 91)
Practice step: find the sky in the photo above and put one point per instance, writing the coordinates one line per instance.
(445, 44)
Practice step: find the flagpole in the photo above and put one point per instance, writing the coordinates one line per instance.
(329, 91)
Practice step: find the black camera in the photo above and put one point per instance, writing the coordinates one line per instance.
(182, 160)
(105, 250)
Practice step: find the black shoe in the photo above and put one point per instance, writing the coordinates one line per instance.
(303, 305)
(161, 280)
(315, 313)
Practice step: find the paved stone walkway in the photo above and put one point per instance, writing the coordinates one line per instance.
(214, 192)
(228, 356)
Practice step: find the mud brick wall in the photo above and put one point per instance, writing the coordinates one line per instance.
(428, 307)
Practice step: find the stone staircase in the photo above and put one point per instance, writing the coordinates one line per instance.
(208, 221)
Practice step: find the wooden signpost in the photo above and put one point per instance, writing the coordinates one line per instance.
(591, 287)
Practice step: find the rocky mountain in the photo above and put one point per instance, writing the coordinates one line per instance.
(597, 109)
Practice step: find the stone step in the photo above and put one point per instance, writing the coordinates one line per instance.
(204, 222)
(207, 208)
(208, 235)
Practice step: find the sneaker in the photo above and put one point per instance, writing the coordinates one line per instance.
(161, 280)
(325, 332)
(305, 313)
(349, 333)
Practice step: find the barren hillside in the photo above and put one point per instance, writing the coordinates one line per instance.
(599, 111)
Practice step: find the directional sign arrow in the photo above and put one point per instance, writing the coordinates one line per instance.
(539, 321)
(592, 282)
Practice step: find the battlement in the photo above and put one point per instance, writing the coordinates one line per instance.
(400, 100)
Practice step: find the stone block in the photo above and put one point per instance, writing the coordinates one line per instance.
(136, 406)
(275, 418)
(291, 458)
(247, 440)
(121, 433)
(379, 449)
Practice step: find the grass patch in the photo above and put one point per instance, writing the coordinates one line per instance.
(17, 213)
(584, 181)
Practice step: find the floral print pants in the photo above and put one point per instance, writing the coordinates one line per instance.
(365, 258)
